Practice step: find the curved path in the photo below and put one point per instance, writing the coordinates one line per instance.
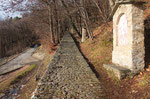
(68, 75)
(18, 62)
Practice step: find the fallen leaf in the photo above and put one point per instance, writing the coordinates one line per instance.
(141, 73)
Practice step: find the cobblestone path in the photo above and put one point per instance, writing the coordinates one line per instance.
(68, 76)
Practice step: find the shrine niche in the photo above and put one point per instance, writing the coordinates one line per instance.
(122, 29)
(128, 38)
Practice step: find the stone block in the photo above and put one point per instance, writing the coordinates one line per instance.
(119, 71)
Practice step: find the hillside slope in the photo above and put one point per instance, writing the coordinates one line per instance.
(99, 52)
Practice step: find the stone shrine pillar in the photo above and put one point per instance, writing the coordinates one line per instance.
(128, 34)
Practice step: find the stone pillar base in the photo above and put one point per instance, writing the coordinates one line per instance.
(118, 71)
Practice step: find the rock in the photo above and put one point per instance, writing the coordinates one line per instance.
(23, 86)
(2, 95)
(118, 71)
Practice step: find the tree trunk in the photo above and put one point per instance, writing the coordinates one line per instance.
(80, 24)
(51, 26)
(83, 35)
(85, 18)
(71, 20)
(111, 3)
(0, 46)
(52, 30)
(101, 12)
(74, 27)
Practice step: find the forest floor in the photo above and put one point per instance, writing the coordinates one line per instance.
(31, 85)
(99, 51)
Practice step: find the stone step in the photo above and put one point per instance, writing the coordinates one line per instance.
(118, 71)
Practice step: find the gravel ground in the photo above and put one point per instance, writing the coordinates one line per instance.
(68, 76)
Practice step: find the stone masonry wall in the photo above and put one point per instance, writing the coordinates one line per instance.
(138, 49)
(131, 55)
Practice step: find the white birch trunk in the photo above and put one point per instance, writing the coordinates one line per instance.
(83, 35)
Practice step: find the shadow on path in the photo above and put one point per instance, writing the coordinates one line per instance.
(90, 64)
(147, 41)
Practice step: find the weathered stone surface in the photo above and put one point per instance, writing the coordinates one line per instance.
(129, 1)
(68, 76)
(39, 55)
(129, 54)
(118, 71)
(83, 35)
(128, 37)
(115, 5)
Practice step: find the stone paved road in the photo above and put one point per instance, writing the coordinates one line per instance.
(68, 76)
(18, 62)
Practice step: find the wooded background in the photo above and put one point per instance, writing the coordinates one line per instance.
(47, 20)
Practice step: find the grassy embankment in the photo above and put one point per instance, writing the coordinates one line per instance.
(99, 52)
(26, 75)
(30, 87)
(15, 77)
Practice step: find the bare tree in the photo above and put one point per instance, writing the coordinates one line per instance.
(15, 35)
(103, 9)
(49, 19)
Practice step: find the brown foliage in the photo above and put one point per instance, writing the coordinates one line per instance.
(15, 36)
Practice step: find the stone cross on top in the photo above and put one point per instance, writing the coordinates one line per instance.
(128, 37)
